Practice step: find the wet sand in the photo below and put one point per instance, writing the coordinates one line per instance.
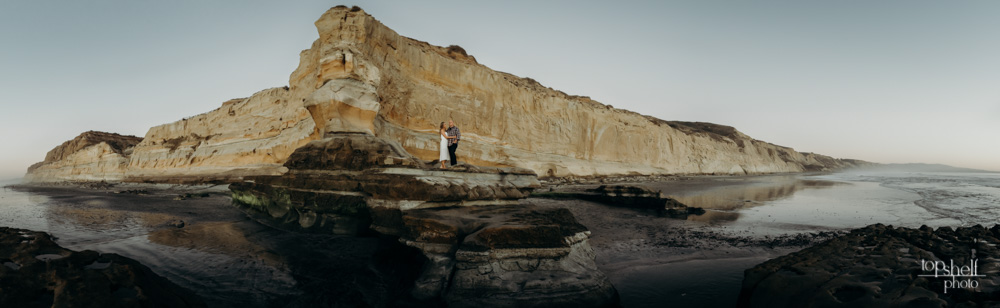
(699, 261)
(693, 262)
(645, 256)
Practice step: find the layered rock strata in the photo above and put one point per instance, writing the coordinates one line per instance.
(482, 247)
(36, 272)
(882, 266)
(91, 156)
(248, 136)
(361, 76)
(505, 256)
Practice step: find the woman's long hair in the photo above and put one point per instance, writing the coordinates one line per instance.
(442, 125)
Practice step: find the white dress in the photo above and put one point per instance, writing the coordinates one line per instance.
(444, 149)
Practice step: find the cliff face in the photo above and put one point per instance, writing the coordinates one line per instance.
(506, 120)
(363, 77)
(250, 136)
(91, 156)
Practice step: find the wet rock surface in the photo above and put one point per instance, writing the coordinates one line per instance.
(505, 256)
(36, 272)
(627, 196)
(476, 244)
(883, 266)
(225, 258)
(346, 182)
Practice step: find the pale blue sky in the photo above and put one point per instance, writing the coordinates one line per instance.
(884, 81)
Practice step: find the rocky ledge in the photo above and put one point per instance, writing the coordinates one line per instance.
(342, 183)
(627, 196)
(882, 266)
(481, 247)
(36, 272)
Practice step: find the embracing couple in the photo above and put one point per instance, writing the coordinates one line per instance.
(449, 143)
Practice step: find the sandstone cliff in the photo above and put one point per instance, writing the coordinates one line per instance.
(361, 76)
(91, 156)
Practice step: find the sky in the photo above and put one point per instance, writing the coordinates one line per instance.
(882, 81)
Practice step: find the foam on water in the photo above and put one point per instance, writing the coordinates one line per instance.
(966, 198)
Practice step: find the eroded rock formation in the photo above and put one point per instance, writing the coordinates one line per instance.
(506, 256)
(482, 247)
(91, 156)
(36, 272)
(882, 266)
(361, 76)
(249, 136)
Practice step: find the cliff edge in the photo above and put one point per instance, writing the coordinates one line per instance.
(360, 76)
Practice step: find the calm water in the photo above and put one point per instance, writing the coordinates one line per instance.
(776, 205)
(230, 262)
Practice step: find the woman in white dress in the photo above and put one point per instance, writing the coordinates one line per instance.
(444, 157)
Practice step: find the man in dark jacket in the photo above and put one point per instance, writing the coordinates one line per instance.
(453, 143)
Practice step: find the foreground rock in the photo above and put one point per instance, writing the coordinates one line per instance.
(481, 247)
(346, 182)
(361, 76)
(36, 272)
(506, 256)
(882, 266)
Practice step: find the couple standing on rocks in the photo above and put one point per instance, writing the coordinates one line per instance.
(449, 143)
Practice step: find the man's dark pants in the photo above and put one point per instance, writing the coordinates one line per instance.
(451, 151)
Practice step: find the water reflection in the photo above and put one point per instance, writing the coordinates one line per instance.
(217, 252)
(722, 198)
(210, 254)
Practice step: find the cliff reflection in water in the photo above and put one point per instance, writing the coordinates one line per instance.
(722, 198)
(206, 245)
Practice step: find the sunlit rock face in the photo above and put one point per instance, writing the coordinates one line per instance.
(91, 156)
(360, 76)
(250, 136)
(512, 121)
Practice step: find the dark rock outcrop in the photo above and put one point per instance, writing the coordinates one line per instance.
(482, 247)
(505, 256)
(882, 266)
(630, 197)
(36, 272)
(342, 183)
